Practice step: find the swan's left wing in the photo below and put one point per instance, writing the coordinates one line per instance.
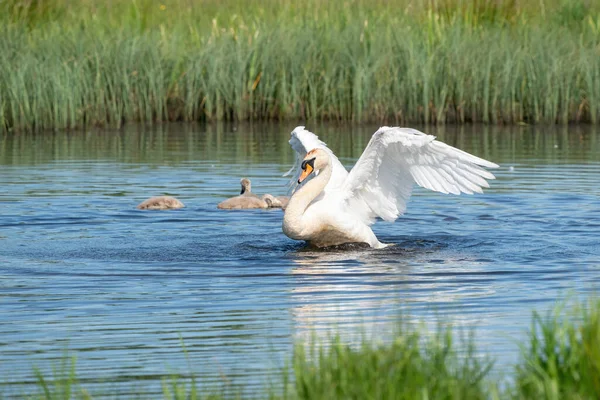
(381, 182)
(303, 141)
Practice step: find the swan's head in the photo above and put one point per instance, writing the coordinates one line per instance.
(314, 161)
(245, 182)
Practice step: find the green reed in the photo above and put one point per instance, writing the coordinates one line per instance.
(71, 65)
(562, 360)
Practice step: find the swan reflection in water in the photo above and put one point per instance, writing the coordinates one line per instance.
(354, 290)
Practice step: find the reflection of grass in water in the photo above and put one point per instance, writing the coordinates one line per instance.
(561, 361)
(72, 64)
(179, 143)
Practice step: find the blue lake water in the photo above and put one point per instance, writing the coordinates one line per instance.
(82, 270)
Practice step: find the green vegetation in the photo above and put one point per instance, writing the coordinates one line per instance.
(411, 367)
(561, 361)
(71, 64)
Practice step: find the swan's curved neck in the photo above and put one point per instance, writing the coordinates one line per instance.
(293, 224)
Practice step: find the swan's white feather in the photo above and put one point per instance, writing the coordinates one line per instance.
(381, 182)
(303, 141)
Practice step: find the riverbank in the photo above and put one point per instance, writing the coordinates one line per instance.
(560, 361)
(70, 66)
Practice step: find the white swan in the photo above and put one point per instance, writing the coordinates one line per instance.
(336, 207)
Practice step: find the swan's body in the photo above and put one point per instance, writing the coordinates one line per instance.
(336, 207)
(160, 203)
(245, 200)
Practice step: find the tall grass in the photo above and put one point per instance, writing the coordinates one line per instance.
(563, 358)
(74, 64)
(413, 366)
(560, 361)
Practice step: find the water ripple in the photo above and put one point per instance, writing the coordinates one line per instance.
(82, 269)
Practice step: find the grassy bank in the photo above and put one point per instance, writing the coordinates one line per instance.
(560, 361)
(74, 64)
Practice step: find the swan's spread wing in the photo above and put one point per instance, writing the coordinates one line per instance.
(381, 182)
(303, 141)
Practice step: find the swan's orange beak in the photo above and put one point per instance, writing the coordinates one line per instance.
(305, 173)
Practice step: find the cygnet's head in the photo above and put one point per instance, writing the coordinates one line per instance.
(269, 199)
(272, 201)
(246, 186)
(315, 160)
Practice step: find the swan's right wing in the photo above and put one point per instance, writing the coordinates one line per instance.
(303, 141)
(381, 182)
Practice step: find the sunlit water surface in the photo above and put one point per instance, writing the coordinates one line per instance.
(83, 271)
